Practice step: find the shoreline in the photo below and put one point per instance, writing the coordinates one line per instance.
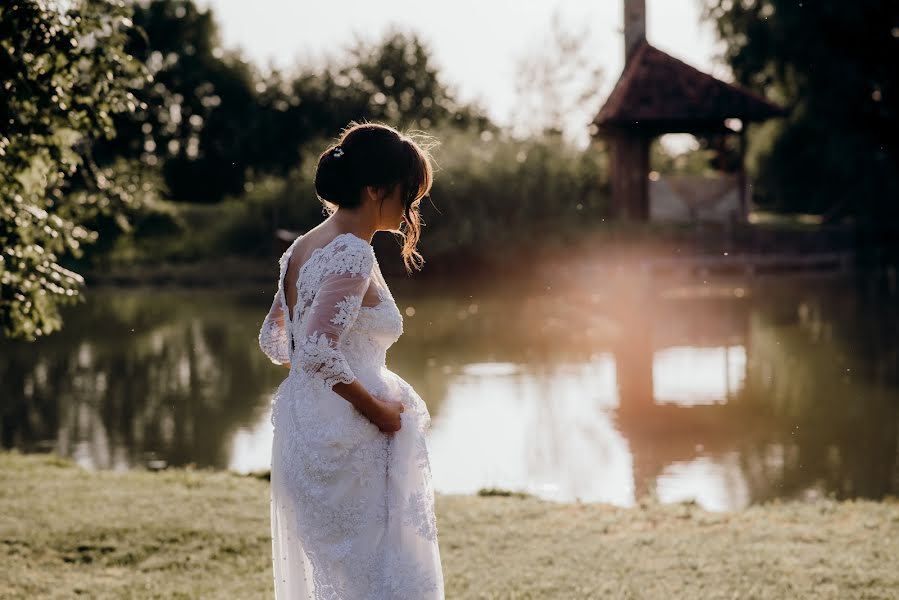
(205, 534)
(545, 267)
(695, 250)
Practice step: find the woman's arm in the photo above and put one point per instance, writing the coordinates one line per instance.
(273, 335)
(332, 313)
(379, 412)
(383, 413)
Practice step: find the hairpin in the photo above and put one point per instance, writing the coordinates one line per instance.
(338, 152)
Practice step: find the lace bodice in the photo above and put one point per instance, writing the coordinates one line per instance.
(330, 334)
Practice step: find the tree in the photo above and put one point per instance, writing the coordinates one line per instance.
(402, 86)
(211, 121)
(65, 74)
(557, 85)
(833, 63)
(197, 121)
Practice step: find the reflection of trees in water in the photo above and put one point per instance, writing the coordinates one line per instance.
(169, 372)
(823, 363)
(453, 327)
(800, 421)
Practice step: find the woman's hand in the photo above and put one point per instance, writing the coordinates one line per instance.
(387, 415)
(383, 413)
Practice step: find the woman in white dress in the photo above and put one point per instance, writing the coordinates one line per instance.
(352, 510)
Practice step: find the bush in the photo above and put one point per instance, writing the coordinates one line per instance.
(494, 188)
(490, 188)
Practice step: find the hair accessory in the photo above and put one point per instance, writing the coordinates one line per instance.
(338, 152)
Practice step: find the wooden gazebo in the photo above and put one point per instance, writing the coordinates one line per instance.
(658, 94)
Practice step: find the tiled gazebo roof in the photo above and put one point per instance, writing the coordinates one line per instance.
(660, 93)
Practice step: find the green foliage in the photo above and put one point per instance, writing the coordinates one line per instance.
(200, 120)
(395, 80)
(65, 74)
(495, 491)
(107, 104)
(212, 123)
(833, 63)
(494, 187)
(489, 188)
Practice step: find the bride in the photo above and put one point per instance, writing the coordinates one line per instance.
(352, 503)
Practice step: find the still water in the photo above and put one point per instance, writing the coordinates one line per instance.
(728, 394)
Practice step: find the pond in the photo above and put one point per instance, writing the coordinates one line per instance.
(725, 393)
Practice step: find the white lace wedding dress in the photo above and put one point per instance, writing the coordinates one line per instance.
(352, 510)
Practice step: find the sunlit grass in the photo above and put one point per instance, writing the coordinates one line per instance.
(200, 534)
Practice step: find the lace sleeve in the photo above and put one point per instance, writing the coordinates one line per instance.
(333, 311)
(272, 335)
(273, 338)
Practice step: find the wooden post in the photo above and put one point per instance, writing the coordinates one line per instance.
(741, 177)
(629, 154)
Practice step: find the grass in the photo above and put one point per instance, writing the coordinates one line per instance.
(66, 532)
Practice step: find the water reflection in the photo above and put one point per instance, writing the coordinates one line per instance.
(548, 433)
(608, 392)
(714, 484)
(690, 376)
(139, 376)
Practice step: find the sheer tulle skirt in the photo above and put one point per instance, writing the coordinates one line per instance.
(352, 510)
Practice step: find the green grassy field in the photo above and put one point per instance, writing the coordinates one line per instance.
(66, 532)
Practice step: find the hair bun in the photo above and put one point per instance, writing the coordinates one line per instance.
(332, 178)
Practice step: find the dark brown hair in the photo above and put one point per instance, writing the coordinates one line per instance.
(374, 154)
